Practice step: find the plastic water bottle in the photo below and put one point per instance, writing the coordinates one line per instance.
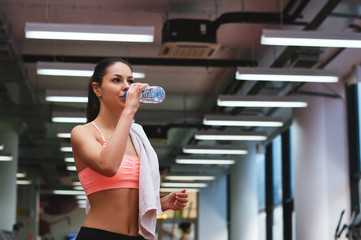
(151, 94)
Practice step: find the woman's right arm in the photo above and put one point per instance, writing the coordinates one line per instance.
(106, 160)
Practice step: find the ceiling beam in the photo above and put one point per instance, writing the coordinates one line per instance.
(28, 58)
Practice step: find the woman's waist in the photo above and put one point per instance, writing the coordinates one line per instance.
(115, 215)
(117, 224)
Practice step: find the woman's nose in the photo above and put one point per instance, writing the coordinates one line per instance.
(127, 86)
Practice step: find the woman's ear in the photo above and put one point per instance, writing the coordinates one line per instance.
(96, 89)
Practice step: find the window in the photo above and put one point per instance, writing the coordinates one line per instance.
(261, 196)
(277, 170)
(279, 189)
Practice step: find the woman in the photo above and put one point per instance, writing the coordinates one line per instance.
(116, 165)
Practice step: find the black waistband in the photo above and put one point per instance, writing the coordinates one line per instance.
(87, 233)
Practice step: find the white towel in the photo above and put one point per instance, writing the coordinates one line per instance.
(149, 183)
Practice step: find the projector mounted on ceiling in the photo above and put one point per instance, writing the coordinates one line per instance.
(189, 38)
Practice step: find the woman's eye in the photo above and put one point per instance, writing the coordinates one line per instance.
(116, 80)
(130, 81)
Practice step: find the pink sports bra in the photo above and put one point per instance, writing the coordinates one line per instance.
(126, 177)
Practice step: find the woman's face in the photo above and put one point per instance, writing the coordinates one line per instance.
(116, 81)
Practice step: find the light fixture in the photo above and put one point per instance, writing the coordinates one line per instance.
(261, 101)
(6, 157)
(23, 182)
(66, 148)
(230, 136)
(71, 168)
(87, 32)
(311, 39)
(78, 188)
(68, 192)
(71, 96)
(219, 120)
(203, 160)
(68, 117)
(2, 146)
(286, 75)
(20, 175)
(81, 201)
(189, 178)
(68, 159)
(77, 70)
(63, 135)
(183, 184)
(164, 189)
(214, 150)
(81, 197)
(76, 183)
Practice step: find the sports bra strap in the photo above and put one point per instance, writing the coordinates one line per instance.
(96, 127)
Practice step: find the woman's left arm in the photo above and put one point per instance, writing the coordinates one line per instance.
(174, 201)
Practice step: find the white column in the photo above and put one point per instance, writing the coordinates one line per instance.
(319, 151)
(28, 204)
(244, 201)
(8, 137)
(212, 216)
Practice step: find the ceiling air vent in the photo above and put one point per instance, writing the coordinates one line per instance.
(188, 38)
(188, 50)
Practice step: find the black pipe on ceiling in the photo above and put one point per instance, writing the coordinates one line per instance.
(28, 58)
(283, 17)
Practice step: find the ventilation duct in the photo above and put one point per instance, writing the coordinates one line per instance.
(197, 38)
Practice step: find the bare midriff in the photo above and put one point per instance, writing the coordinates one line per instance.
(114, 210)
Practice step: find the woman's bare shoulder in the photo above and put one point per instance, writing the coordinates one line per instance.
(81, 131)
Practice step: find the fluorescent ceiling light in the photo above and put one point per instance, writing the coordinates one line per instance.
(286, 75)
(73, 99)
(68, 117)
(76, 70)
(214, 150)
(68, 159)
(189, 178)
(81, 197)
(86, 32)
(65, 69)
(183, 184)
(261, 101)
(66, 149)
(71, 168)
(81, 201)
(6, 158)
(311, 39)
(23, 182)
(230, 136)
(197, 160)
(76, 183)
(20, 175)
(78, 188)
(63, 135)
(2, 146)
(68, 192)
(219, 120)
(67, 99)
(66, 96)
(163, 189)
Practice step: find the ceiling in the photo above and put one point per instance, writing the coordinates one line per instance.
(191, 85)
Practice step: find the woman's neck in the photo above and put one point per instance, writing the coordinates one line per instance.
(108, 118)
